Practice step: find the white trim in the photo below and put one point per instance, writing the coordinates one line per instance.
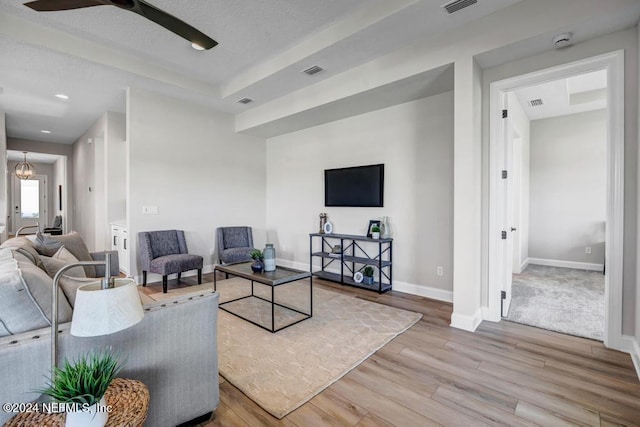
(634, 351)
(613, 62)
(407, 288)
(467, 323)
(566, 264)
(524, 265)
(154, 278)
(423, 291)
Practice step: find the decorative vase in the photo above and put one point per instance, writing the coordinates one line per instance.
(385, 228)
(375, 234)
(269, 254)
(367, 280)
(95, 415)
(257, 266)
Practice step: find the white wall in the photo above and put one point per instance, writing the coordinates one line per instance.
(569, 187)
(415, 143)
(189, 162)
(84, 184)
(4, 200)
(623, 40)
(99, 176)
(521, 126)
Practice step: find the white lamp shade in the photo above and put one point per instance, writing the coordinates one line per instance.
(100, 311)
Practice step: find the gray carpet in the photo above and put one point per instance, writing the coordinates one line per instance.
(559, 299)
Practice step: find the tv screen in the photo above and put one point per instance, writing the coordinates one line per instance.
(361, 186)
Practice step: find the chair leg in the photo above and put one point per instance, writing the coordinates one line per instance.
(179, 276)
(164, 284)
(199, 276)
(144, 278)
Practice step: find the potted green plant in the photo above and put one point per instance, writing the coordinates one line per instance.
(368, 275)
(257, 266)
(375, 232)
(80, 386)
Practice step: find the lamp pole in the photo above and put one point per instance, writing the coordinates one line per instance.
(107, 282)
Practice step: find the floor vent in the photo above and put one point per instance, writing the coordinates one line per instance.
(455, 6)
(535, 102)
(245, 100)
(313, 70)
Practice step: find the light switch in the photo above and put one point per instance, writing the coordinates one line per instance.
(150, 210)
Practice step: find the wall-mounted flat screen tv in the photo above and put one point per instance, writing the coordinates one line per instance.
(360, 186)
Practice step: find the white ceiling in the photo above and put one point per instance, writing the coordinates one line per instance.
(18, 156)
(577, 94)
(94, 54)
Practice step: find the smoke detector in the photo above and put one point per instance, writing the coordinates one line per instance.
(562, 40)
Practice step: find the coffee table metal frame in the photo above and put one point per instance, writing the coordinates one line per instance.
(281, 276)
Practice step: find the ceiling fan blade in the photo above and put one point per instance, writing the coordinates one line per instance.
(53, 5)
(173, 24)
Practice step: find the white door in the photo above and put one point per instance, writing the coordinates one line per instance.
(30, 203)
(507, 212)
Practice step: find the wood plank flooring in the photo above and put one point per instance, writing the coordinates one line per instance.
(503, 374)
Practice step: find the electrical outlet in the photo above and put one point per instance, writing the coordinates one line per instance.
(587, 250)
(440, 270)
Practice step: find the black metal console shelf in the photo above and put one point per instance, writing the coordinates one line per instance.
(357, 253)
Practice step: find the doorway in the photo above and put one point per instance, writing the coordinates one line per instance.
(503, 221)
(29, 203)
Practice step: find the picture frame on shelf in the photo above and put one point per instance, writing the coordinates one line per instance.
(372, 223)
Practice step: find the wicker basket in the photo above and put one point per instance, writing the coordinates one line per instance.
(129, 400)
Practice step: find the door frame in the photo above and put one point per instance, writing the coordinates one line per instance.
(16, 200)
(613, 62)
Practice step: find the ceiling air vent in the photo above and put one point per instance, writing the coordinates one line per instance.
(536, 102)
(245, 100)
(456, 5)
(313, 70)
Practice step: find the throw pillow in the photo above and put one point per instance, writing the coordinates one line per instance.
(24, 246)
(25, 300)
(45, 245)
(59, 260)
(74, 244)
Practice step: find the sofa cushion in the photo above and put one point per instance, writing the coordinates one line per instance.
(45, 245)
(24, 246)
(74, 244)
(61, 259)
(25, 297)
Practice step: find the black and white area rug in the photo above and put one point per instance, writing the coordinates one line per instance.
(559, 299)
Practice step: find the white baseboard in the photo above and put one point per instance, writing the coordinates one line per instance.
(634, 351)
(408, 288)
(466, 322)
(524, 264)
(423, 291)
(152, 277)
(566, 264)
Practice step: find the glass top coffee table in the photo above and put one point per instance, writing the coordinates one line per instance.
(261, 304)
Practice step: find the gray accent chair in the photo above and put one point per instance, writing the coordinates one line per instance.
(56, 227)
(165, 252)
(234, 244)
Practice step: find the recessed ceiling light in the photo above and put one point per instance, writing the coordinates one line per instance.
(62, 96)
(196, 46)
(45, 131)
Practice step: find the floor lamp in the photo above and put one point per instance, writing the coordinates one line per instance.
(101, 308)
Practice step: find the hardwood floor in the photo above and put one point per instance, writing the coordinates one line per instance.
(503, 374)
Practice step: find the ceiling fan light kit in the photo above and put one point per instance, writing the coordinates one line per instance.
(140, 7)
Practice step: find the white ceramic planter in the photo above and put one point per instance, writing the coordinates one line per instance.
(375, 235)
(94, 416)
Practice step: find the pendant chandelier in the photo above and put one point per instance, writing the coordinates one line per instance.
(24, 169)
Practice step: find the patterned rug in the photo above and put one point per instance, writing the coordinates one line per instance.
(282, 371)
(559, 299)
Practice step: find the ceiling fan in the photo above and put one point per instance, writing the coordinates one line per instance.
(140, 7)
